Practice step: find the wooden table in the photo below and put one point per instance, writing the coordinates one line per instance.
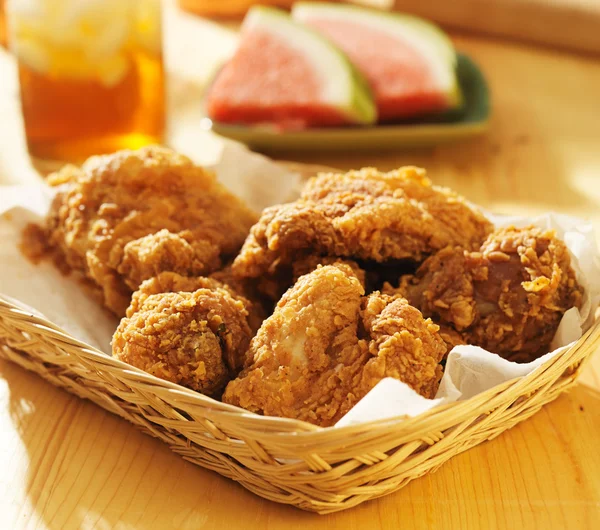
(66, 464)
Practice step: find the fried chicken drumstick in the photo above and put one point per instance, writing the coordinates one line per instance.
(327, 345)
(191, 331)
(508, 297)
(361, 215)
(126, 217)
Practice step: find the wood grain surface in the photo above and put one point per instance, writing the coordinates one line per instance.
(66, 464)
(568, 24)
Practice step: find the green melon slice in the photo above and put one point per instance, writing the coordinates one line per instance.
(286, 74)
(410, 63)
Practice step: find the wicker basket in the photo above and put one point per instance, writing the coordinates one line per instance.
(287, 461)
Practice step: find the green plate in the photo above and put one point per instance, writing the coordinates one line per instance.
(471, 120)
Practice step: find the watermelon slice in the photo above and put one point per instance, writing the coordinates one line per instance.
(409, 63)
(286, 74)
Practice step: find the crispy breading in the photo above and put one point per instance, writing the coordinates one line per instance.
(310, 263)
(125, 217)
(150, 255)
(507, 297)
(171, 282)
(272, 287)
(327, 345)
(258, 307)
(362, 215)
(197, 339)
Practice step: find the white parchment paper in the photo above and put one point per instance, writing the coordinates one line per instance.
(469, 369)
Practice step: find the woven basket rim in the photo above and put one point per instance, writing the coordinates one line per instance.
(301, 428)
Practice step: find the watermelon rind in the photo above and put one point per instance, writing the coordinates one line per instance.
(345, 88)
(428, 38)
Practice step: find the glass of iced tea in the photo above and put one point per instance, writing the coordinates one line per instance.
(91, 74)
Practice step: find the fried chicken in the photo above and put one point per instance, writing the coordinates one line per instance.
(310, 263)
(126, 217)
(191, 331)
(258, 307)
(327, 345)
(272, 287)
(508, 297)
(171, 282)
(361, 215)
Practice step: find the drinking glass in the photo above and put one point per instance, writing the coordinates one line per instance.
(91, 74)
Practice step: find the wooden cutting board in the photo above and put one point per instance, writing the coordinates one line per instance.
(569, 24)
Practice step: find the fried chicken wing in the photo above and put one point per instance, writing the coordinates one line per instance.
(507, 297)
(126, 217)
(198, 339)
(362, 215)
(327, 345)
